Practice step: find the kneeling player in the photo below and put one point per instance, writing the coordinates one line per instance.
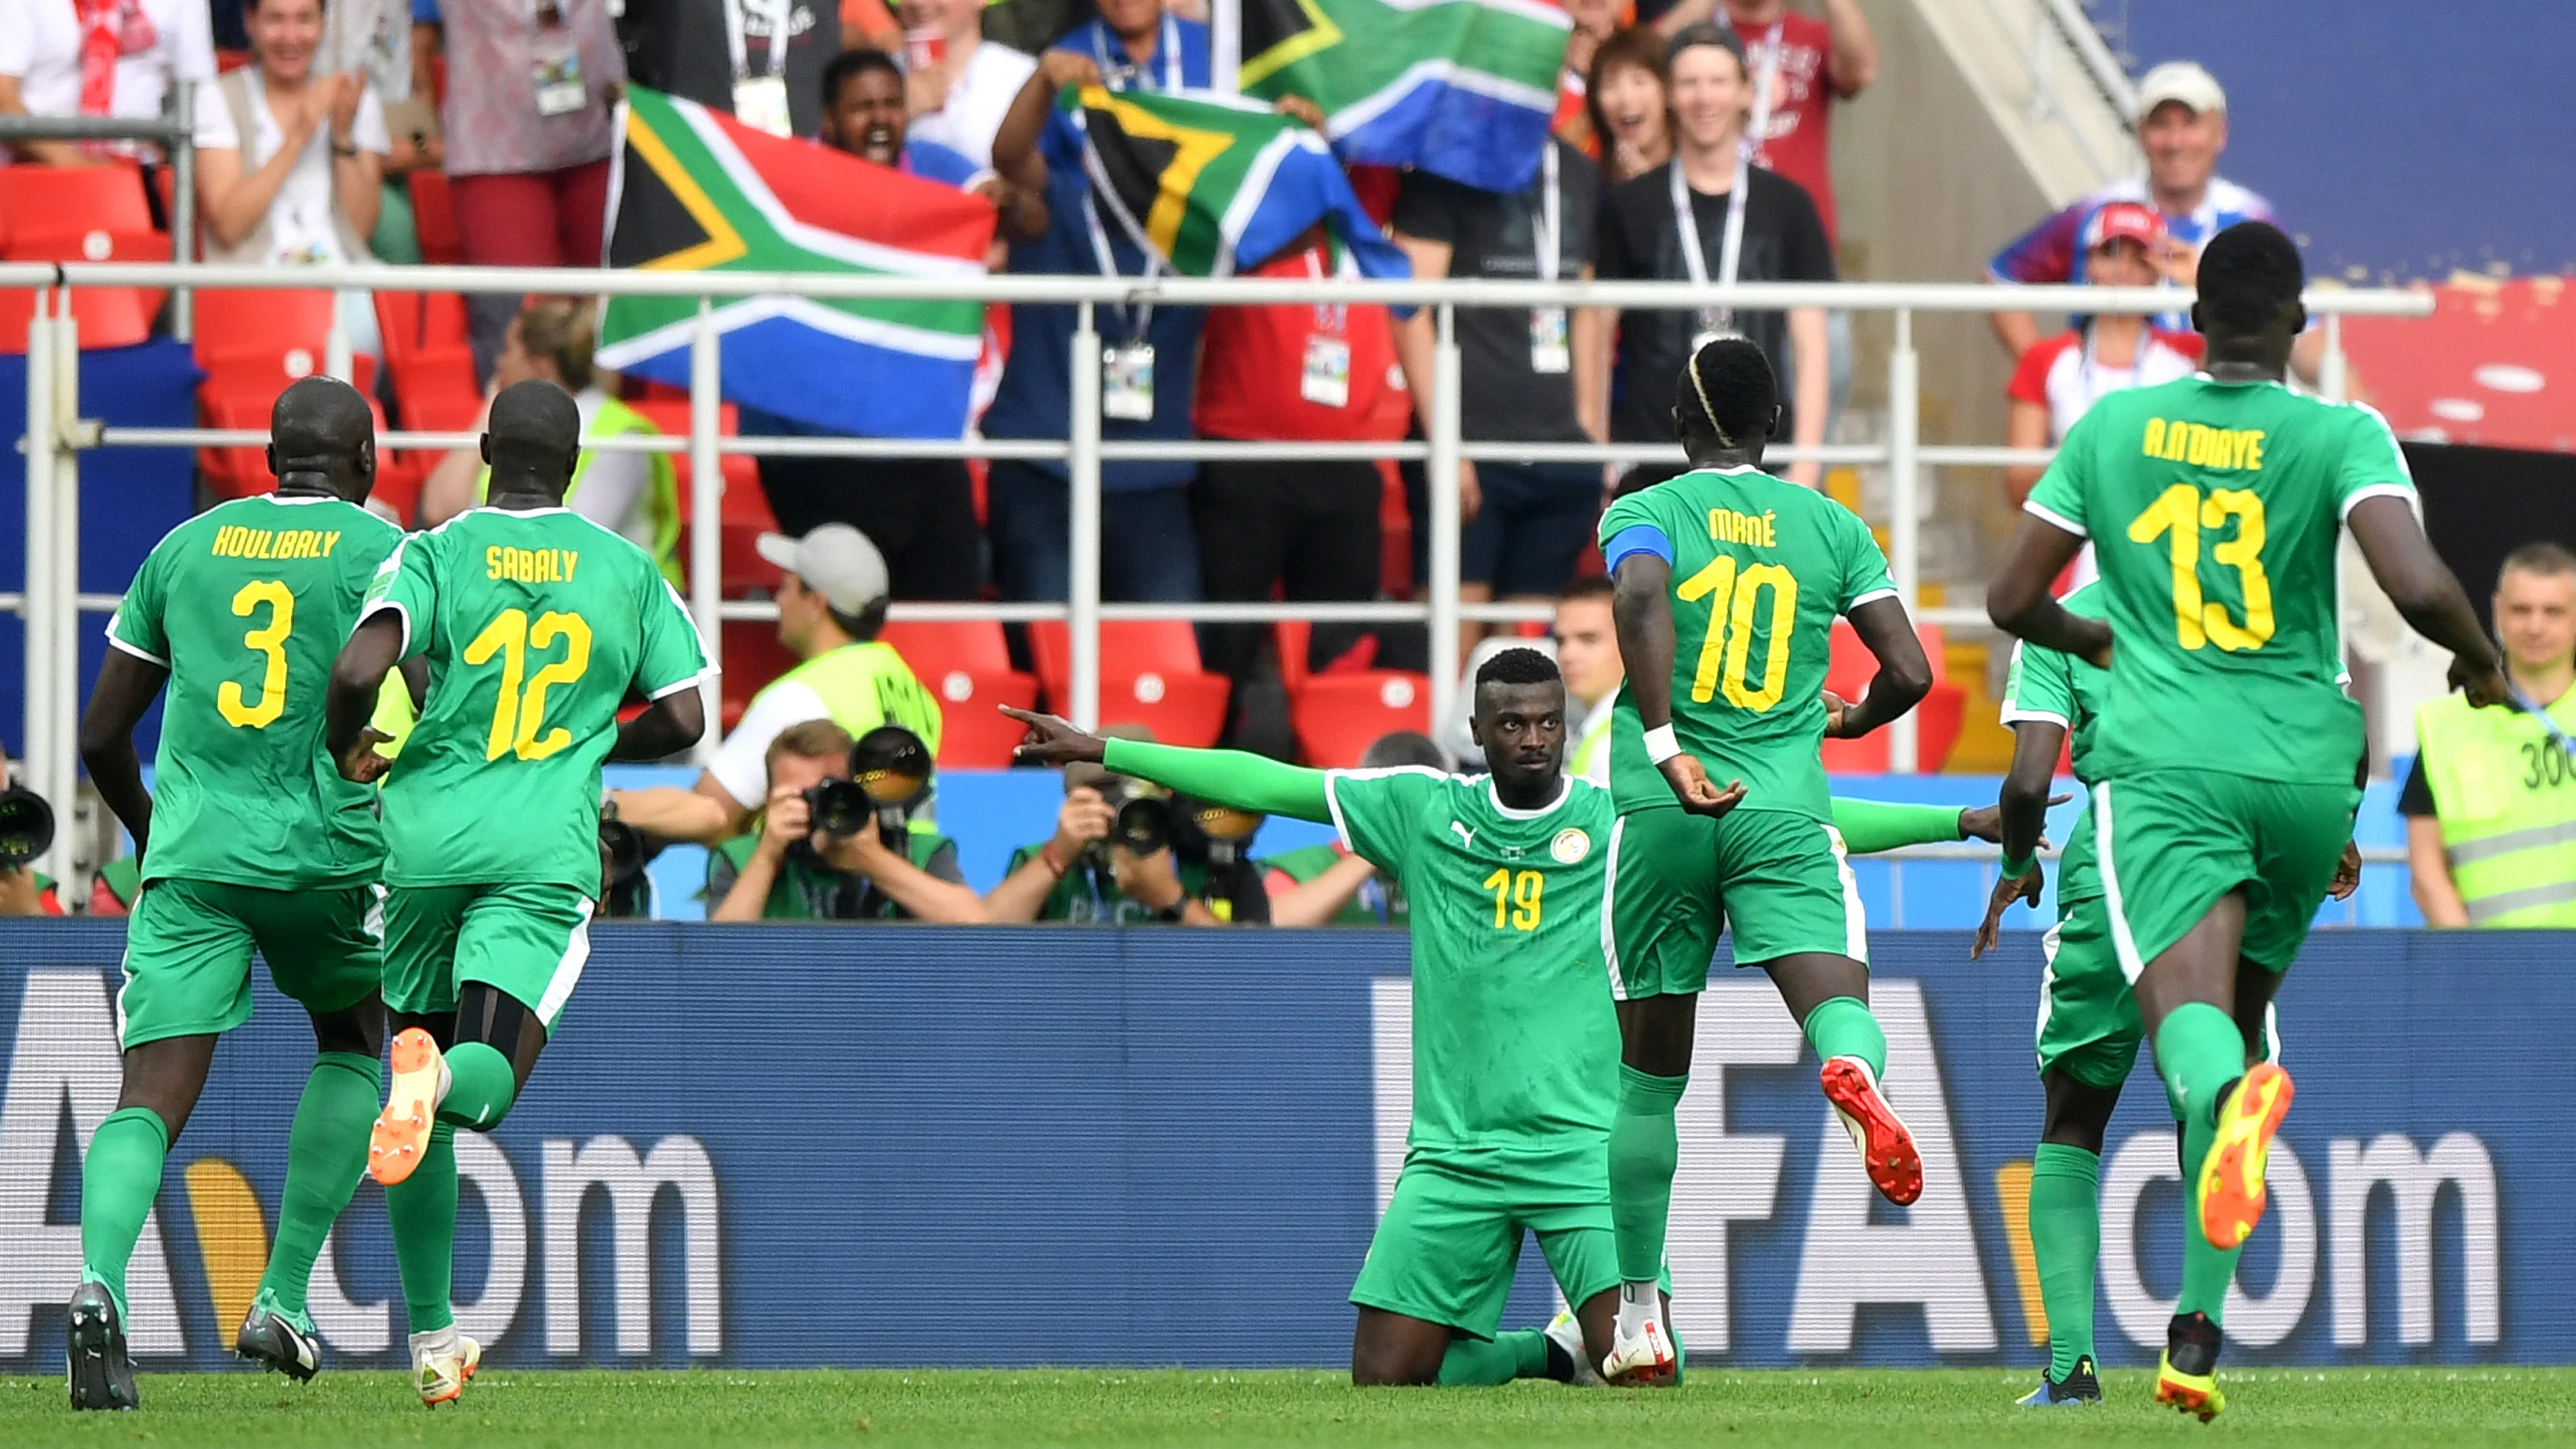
(1516, 1045)
(535, 622)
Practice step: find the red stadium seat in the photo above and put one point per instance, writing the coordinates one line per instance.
(1338, 716)
(745, 507)
(433, 216)
(1149, 676)
(931, 646)
(967, 664)
(107, 316)
(292, 327)
(61, 198)
(752, 658)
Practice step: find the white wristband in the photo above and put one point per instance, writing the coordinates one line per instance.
(1660, 744)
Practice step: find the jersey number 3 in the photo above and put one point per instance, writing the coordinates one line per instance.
(519, 715)
(2181, 513)
(234, 702)
(1726, 653)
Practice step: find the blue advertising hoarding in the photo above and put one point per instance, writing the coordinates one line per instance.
(785, 1146)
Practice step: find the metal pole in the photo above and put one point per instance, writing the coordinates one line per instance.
(1442, 471)
(37, 745)
(182, 156)
(1082, 478)
(706, 510)
(61, 789)
(1905, 530)
(2334, 374)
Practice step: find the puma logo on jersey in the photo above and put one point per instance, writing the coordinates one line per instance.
(1466, 837)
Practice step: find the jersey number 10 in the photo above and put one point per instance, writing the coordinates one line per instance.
(519, 715)
(2181, 513)
(1726, 652)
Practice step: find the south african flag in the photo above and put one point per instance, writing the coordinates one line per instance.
(696, 191)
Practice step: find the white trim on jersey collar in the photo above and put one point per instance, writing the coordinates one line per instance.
(1494, 797)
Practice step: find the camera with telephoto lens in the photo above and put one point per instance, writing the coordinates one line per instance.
(1141, 814)
(624, 851)
(892, 768)
(26, 826)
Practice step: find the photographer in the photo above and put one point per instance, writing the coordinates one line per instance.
(1125, 853)
(26, 831)
(819, 855)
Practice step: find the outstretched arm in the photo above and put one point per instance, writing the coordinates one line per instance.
(127, 684)
(1224, 777)
(1869, 827)
(2023, 804)
(2021, 605)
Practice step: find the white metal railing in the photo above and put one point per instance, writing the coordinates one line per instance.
(52, 603)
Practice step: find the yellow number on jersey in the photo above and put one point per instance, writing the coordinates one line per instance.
(231, 700)
(519, 723)
(1727, 650)
(2182, 513)
(1518, 898)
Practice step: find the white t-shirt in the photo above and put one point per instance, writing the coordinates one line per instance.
(977, 101)
(300, 230)
(40, 44)
(613, 487)
(741, 763)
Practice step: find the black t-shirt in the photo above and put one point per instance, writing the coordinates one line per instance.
(2416, 798)
(1502, 398)
(681, 46)
(1640, 241)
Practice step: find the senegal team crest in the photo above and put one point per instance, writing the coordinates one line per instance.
(1569, 846)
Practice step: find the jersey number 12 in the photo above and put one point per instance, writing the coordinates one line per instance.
(1726, 652)
(519, 715)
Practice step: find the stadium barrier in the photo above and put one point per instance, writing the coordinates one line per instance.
(53, 603)
(792, 1146)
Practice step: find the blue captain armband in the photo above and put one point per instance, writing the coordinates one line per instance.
(1635, 539)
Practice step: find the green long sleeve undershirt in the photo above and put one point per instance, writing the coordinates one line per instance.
(1257, 782)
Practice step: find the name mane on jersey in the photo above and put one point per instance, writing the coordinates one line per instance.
(2231, 449)
(530, 565)
(234, 541)
(1755, 530)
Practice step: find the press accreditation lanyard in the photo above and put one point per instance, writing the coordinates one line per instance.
(1334, 318)
(1122, 74)
(1140, 318)
(1730, 249)
(1551, 216)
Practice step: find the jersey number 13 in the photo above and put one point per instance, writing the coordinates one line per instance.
(2179, 514)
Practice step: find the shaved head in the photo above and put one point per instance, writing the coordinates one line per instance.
(533, 439)
(322, 438)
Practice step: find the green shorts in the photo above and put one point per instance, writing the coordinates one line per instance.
(189, 942)
(1445, 1251)
(2170, 843)
(1778, 880)
(2089, 1027)
(529, 941)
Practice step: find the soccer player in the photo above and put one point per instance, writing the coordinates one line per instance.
(252, 842)
(535, 622)
(2223, 789)
(1726, 584)
(2088, 1021)
(1516, 1046)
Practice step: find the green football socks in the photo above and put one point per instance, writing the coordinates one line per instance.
(326, 1154)
(120, 1177)
(1483, 1363)
(2198, 1052)
(2066, 1239)
(422, 1208)
(1645, 1149)
(1843, 1027)
(480, 1087)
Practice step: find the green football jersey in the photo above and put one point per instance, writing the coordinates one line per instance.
(1515, 1039)
(535, 625)
(246, 605)
(1761, 569)
(2048, 685)
(2215, 509)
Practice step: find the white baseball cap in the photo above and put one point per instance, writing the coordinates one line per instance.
(835, 560)
(2180, 80)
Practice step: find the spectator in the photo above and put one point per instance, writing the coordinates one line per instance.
(1587, 654)
(1527, 375)
(2490, 805)
(96, 58)
(727, 56)
(634, 495)
(1308, 529)
(869, 25)
(1082, 876)
(1149, 549)
(1629, 98)
(1595, 21)
(830, 607)
(374, 37)
(1800, 66)
(529, 121)
(919, 511)
(2060, 379)
(1141, 45)
(961, 85)
(1684, 221)
(290, 162)
(1326, 885)
(2182, 129)
(788, 871)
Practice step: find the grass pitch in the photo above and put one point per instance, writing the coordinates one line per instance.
(716, 1409)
